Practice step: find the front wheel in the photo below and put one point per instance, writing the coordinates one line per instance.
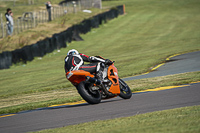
(90, 96)
(125, 91)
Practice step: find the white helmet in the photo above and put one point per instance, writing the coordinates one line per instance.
(72, 51)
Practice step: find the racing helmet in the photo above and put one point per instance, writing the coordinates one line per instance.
(72, 52)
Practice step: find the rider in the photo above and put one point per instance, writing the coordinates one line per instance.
(75, 61)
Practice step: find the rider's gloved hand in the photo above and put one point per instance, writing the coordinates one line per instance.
(108, 62)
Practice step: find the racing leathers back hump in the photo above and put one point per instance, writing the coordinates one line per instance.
(76, 62)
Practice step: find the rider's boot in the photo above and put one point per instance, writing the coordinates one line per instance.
(99, 71)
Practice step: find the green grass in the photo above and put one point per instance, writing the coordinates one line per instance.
(149, 32)
(181, 120)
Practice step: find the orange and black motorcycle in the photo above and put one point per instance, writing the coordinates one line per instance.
(93, 90)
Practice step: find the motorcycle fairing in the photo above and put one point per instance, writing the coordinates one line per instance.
(113, 77)
(77, 76)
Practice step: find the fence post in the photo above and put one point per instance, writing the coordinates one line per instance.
(42, 16)
(34, 15)
(57, 12)
(53, 14)
(18, 26)
(14, 27)
(31, 21)
(74, 4)
(46, 16)
(2, 26)
(29, 2)
(60, 11)
(21, 25)
(24, 25)
(67, 7)
(27, 25)
(79, 5)
(39, 17)
(45, 20)
(14, 2)
(36, 19)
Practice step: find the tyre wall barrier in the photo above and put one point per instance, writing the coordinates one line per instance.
(57, 41)
(5, 60)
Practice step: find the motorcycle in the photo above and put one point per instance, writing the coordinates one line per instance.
(93, 90)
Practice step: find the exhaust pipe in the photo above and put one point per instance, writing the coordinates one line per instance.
(98, 82)
(93, 80)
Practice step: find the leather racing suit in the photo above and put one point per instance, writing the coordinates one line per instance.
(76, 62)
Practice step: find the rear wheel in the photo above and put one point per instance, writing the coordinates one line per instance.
(90, 96)
(125, 91)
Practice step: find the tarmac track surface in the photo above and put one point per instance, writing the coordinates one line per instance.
(107, 109)
(113, 108)
(188, 62)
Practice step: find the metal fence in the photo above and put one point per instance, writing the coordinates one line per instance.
(42, 16)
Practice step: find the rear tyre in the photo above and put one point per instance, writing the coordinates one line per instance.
(125, 91)
(90, 96)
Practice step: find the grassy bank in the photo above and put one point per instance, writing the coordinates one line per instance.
(149, 32)
(44, 30)
(181, 120)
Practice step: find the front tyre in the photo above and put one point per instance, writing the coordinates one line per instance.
(125, 91)
(90, 96)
